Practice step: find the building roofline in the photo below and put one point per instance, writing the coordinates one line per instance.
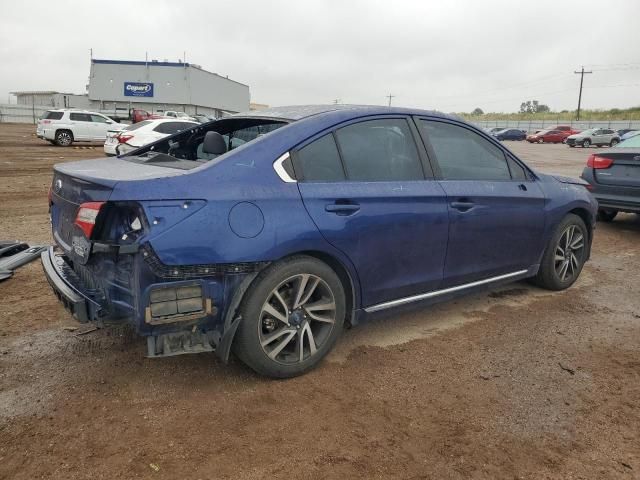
(161, 64)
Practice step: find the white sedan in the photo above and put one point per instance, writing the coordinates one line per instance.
(134, 136)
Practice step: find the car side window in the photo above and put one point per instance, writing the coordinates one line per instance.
(379, 151)
(463, 154)
(80, 117)
(98, 119)
(319, 161)
(517, 171)
(608, 132)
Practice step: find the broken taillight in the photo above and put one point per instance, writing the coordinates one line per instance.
(124, 138)
(86, 216)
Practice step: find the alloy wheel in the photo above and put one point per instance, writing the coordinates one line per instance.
(569, 253)
(64, 139)
(297, 319)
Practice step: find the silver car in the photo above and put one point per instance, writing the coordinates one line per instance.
(594, 136)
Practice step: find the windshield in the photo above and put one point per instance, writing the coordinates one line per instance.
(588, 132)
(633, 142)
(543, 132)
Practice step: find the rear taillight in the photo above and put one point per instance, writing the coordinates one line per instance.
(86, 216)
(124, 138)
(596, 162)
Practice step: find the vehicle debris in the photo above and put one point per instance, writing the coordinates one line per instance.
(14, 254)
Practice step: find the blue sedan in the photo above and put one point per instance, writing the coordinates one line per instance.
(510, 134)
(267, 233)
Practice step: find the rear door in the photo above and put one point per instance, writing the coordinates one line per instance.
(364, 187)
(496, 208)
(80, 123)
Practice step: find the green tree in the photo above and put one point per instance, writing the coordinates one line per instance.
(477, 111)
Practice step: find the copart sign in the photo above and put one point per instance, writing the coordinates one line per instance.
(137, 89)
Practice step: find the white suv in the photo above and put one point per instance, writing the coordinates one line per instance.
(63, 127)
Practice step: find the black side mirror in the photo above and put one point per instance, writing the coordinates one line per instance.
(214, 143)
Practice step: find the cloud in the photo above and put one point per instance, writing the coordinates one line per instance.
(452, 56)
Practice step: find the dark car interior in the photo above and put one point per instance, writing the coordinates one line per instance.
(203, 143)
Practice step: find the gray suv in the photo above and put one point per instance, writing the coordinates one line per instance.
(594, 136)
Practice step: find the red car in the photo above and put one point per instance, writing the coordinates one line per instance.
(548, 136)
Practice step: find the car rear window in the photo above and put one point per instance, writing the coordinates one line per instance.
(51, 116)
(136, 126)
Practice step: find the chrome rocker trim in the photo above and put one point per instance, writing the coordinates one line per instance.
(436, 293)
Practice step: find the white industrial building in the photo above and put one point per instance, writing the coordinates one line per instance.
(118, 85)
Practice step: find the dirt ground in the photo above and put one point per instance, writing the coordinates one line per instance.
(516, 383)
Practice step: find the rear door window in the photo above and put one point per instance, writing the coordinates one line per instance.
(379, 151)
(463, 154)
(319, 161)
(80, 117)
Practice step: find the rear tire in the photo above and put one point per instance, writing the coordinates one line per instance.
(292, 315)
(614, 142)
(565, 255)
(64, 138)
(606, 215)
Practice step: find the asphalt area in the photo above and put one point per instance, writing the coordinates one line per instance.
(515, 383)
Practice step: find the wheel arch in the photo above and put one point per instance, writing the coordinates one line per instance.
(232, 320)
(586, 217)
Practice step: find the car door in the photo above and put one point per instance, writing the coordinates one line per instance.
(364, 187)
(99, 127)
(80, 125)
(496, 207)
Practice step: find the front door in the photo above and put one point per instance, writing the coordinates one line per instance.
(496, 207)
(364, 187)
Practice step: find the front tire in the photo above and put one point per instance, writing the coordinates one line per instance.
(586, 143)
(565, 255)
(292, 315)
(64, 138)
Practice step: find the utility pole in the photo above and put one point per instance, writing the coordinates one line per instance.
(390, 97)
(581, 72)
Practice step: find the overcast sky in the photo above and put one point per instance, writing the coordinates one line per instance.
(451, 56)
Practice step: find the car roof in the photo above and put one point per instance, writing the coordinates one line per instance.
(299, 112)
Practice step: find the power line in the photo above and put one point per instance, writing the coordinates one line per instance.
(581, 72)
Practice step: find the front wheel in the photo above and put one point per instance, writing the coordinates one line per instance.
(565, 255)
(586, 143)
(292, 316)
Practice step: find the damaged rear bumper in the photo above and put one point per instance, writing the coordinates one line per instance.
(59, 275)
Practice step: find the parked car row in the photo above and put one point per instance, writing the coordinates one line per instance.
(63, 127)
(566, 134)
